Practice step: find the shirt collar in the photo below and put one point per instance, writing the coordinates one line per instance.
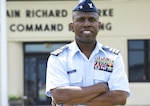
(74, 48)
(97, 49)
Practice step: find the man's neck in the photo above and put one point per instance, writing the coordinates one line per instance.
(86, 48)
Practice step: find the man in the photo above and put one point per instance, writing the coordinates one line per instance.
(85, 72)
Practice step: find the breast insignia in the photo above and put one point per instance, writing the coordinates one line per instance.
(113, 50)
(58, 51)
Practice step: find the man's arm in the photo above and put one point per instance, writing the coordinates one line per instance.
(72, 95)
(53, 102)
(110, 98)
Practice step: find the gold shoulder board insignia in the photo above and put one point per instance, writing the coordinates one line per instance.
(58, 51)
(113, 50)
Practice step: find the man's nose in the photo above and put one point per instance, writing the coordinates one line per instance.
(87, 23)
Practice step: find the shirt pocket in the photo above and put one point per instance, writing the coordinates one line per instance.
(101, 76)
(75, 79)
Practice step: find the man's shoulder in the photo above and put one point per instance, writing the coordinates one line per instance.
(59, 50)
(111, 49)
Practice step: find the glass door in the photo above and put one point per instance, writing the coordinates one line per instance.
(35, 61)
(41, 78)
(34, 76)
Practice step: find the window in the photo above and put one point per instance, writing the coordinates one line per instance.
(139, 60)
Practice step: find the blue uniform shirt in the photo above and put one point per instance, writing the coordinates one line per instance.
(72, 68)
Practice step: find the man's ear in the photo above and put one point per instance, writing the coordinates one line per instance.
(71, 27)
(99, 25)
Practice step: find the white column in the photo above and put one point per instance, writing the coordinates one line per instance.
(3, 55)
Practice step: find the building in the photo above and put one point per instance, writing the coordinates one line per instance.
(34, 28)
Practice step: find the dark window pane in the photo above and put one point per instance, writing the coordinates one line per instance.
(149, 66)
(136, 44)
(149, 45)
(30, 79)
(136, 66)
(41, 78)
(139, 60)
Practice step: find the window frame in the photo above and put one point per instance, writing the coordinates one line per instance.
(146, 57)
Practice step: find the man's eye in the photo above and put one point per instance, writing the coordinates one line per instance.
(91, 19)
(81, 19)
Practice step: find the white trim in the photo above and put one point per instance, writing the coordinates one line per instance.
(3, 55)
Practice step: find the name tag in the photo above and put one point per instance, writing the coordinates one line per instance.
(72, 71)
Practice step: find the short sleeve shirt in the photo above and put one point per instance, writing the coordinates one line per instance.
(72, 68)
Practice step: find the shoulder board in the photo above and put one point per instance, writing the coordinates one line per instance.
(113, 50)
(58, 51)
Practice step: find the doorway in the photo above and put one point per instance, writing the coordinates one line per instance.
(35, 62)
(34, 79)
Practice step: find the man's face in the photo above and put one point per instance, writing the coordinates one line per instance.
(85, 26)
